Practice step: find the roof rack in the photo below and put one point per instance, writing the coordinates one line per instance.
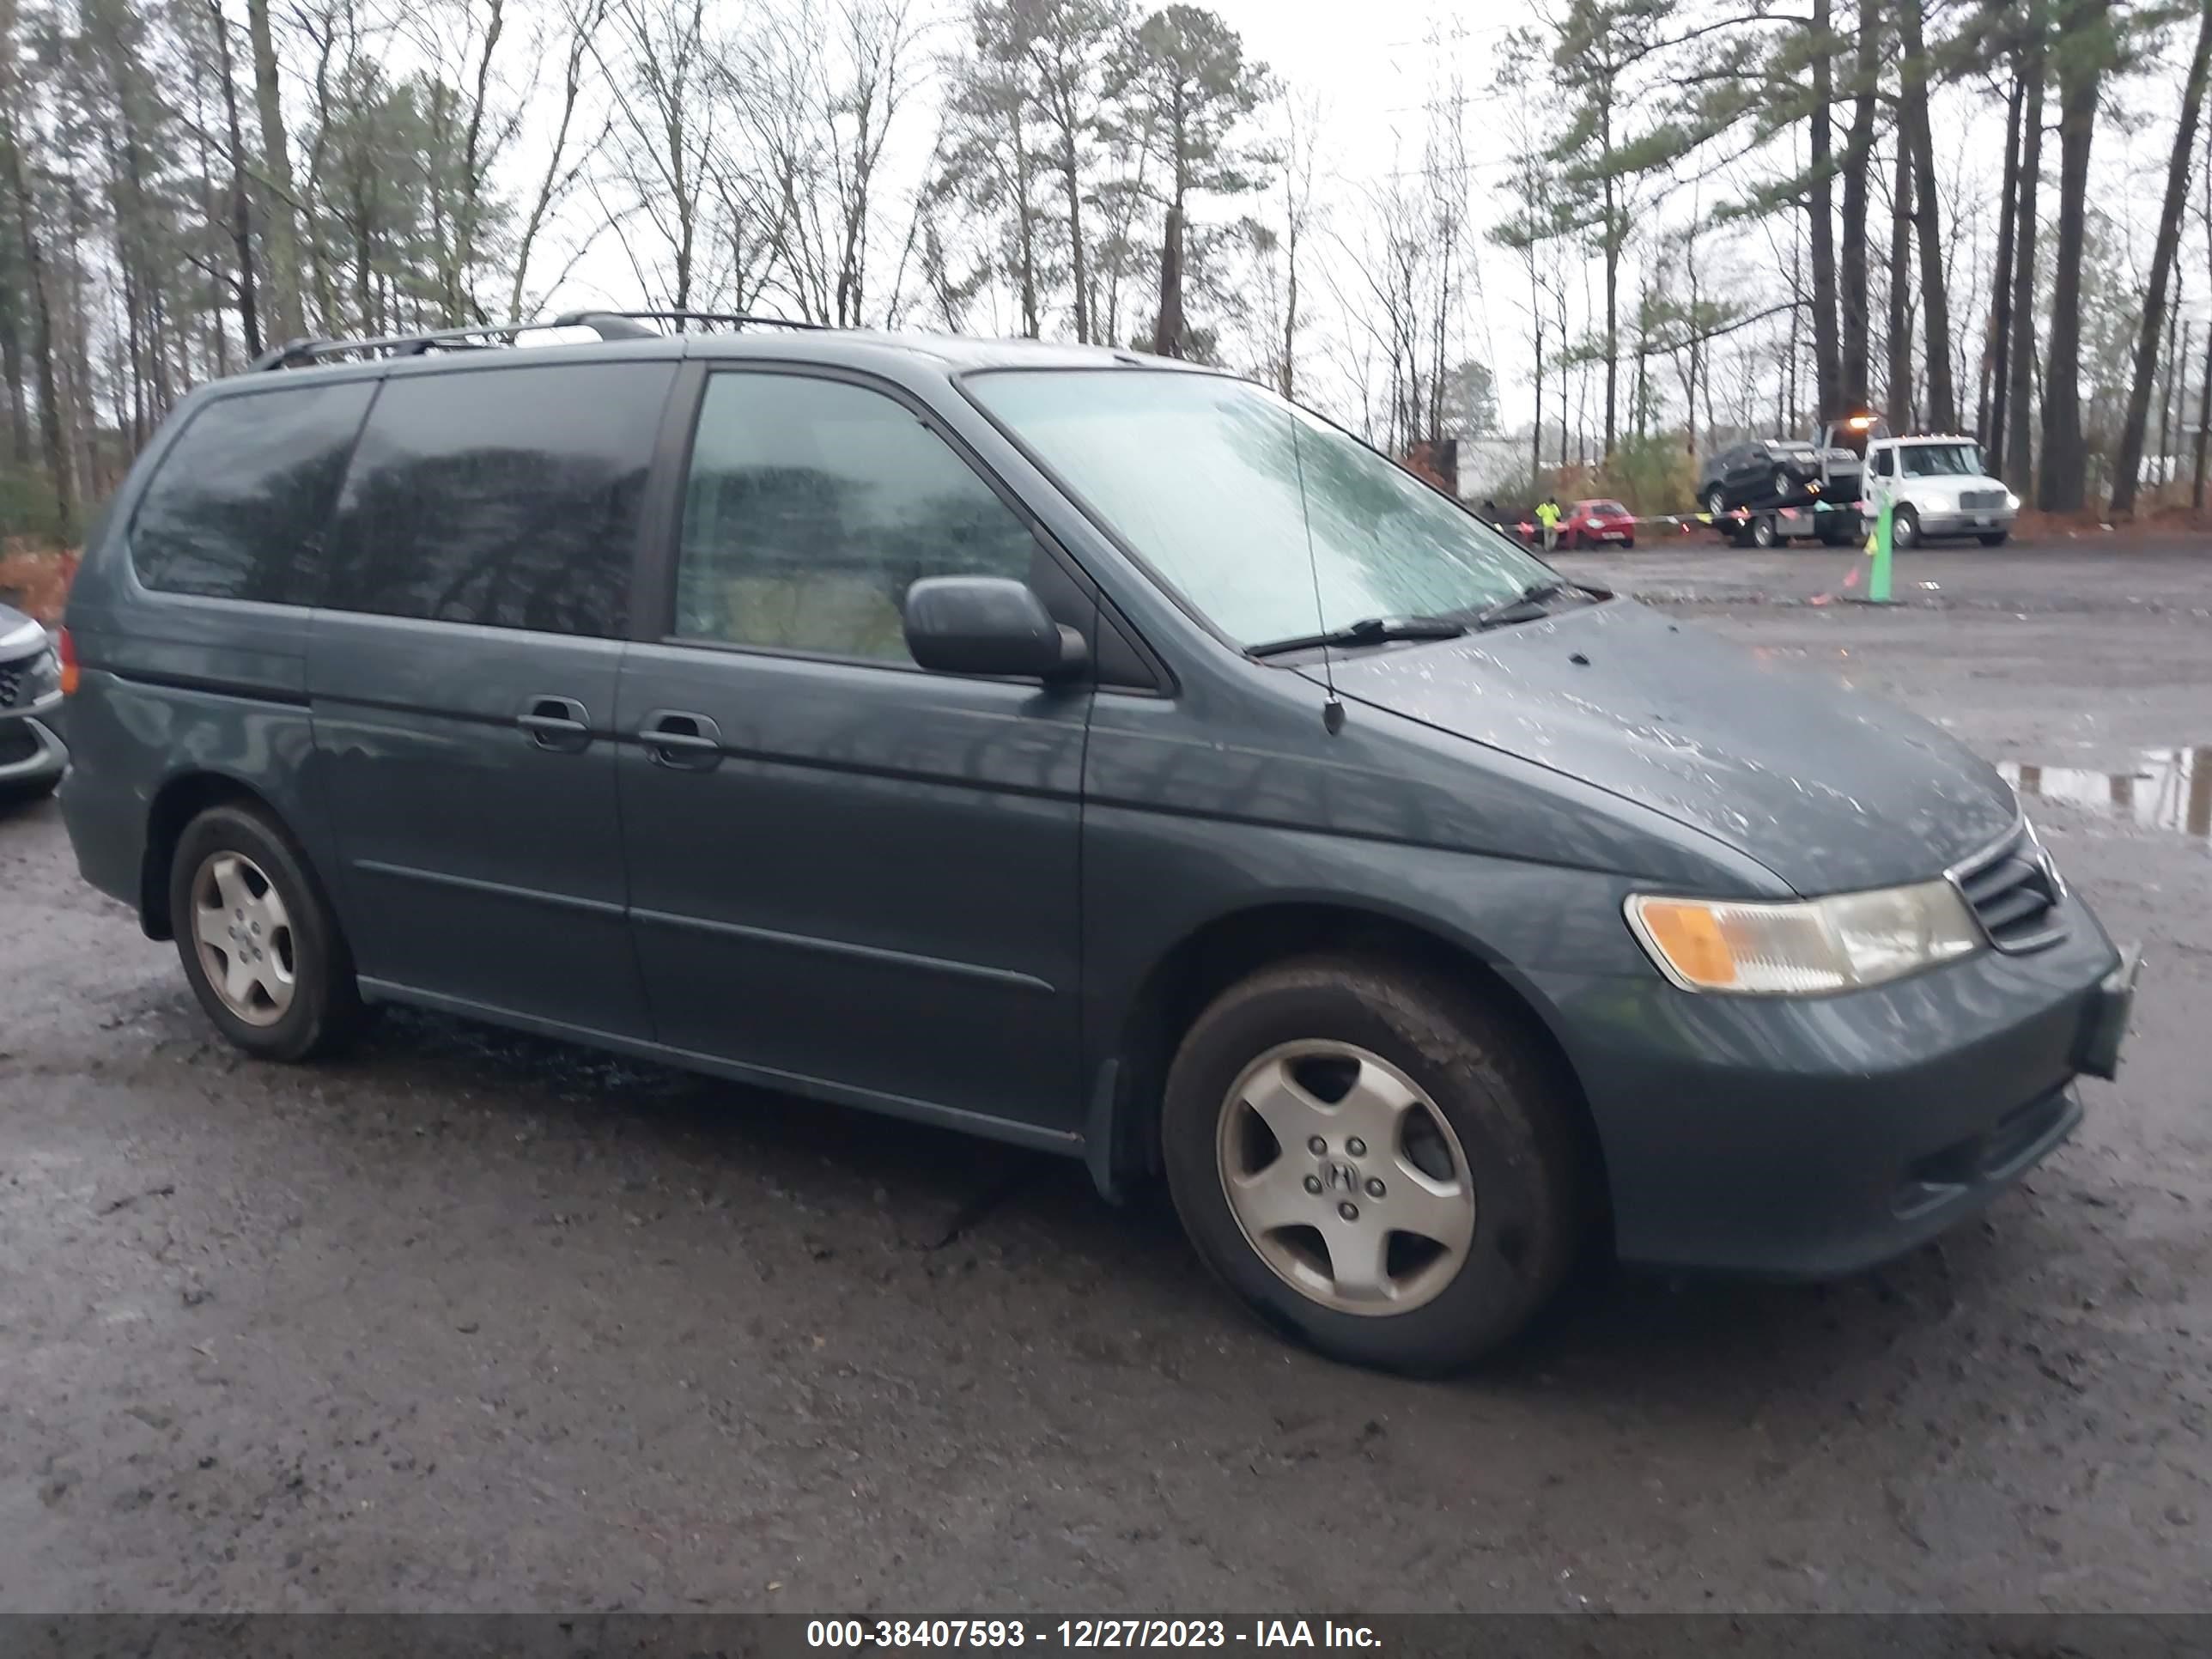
(611, 320)
(608, 325)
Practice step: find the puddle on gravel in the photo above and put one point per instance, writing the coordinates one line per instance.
(2164, 789)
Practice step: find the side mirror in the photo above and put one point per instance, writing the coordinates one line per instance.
(989, 625)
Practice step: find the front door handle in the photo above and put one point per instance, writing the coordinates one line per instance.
(690, 741)
(557, 723)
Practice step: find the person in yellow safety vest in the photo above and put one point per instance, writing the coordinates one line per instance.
(1547, 519)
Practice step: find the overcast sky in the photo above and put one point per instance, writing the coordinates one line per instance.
(1374, 65)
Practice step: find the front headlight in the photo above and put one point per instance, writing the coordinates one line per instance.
(1808, 948)
(2012, 502)
(39, 676)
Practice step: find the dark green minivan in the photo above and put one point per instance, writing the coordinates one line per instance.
(1083, 749)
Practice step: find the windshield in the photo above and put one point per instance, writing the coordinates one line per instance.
(1940, 460)
(1218, 484)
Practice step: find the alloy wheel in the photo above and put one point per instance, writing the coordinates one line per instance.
(244, 933)
(1346, 1178)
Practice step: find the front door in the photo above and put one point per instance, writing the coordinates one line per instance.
(462, 678)
(844, 870)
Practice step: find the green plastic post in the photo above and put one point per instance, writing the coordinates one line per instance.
(1878, 579)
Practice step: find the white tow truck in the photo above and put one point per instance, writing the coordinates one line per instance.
(1937, 484)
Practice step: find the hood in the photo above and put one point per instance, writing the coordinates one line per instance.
(1951, 483)
(18, 632)
(1829, 786)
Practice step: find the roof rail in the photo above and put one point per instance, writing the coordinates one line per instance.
(612, 320)
(608, 325)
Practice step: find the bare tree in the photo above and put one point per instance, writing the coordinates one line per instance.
(287, 316)
(2130, 460)
(1854, 313)
(663, 138)
(563, 169)
(2019, 434)
(818, 98)
(1915, 138)
(15, 118)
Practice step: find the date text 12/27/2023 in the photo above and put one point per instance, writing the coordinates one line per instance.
(1086, 1633)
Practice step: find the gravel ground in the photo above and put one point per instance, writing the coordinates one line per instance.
(468, 1321)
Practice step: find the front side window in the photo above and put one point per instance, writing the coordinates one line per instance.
(508, 497)
(813, 505)
(239, 506)
(1246, 505)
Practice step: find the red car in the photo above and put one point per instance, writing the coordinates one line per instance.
(1597, 524)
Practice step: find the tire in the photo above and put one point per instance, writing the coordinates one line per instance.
(1904, 529)
(238, 857)
(1832, 533)
(1784, 482)
(1717, 501)
(1993, 538)
(1489, 1143)
(1628, 544)
(1763, 531)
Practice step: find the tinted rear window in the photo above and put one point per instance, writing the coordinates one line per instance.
(507, 496)
(239, 506)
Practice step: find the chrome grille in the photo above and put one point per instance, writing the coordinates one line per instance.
(2013, 890)
(1980, 500)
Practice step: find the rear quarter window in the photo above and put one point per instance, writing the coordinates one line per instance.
(508, 497)
(239, 506)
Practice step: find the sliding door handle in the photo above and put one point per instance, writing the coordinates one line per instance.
(557, 723)
(675, 737)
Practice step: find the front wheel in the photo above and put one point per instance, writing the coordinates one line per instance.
(257, 939)
(1764, 534)
(1369, 1157)
(1627, 543)
(1904, 529)
(1717, 501)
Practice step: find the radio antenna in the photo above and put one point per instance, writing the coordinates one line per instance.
(1332, 710)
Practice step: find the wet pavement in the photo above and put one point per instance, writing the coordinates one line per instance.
(467, 1320)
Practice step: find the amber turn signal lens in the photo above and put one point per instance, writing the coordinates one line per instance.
(1689, 937)
(69, 664)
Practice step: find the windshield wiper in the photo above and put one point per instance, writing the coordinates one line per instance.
(1368, 630)
(1550, 587)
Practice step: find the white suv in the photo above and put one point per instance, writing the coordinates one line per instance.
(1940, 487)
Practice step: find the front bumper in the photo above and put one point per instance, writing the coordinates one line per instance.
(1811, 1138)
(31, 752)
(1982, 521)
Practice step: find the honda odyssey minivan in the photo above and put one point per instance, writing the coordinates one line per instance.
(1091, 752)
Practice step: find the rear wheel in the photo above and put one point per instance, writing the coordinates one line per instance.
(1784, 482)
(1763, 531)
(1370, 1159)
(256, 938)
(1717, 501)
